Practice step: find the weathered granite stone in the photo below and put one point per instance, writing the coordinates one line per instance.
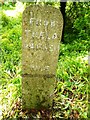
(41, 35)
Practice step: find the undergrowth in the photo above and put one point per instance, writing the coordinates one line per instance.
(70, 99)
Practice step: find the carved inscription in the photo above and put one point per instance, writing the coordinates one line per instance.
(41, 35)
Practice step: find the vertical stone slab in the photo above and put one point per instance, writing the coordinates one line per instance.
(41, 35)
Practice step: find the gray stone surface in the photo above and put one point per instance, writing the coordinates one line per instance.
(41, 34)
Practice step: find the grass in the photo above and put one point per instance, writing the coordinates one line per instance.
(70, 99)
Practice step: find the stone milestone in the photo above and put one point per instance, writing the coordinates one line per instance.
(41, 35)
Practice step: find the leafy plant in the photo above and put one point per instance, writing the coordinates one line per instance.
(70, 99)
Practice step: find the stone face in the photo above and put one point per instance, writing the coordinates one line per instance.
(41, 34)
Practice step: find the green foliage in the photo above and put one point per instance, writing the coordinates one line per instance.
(7, 5)
(70, 101)
(10, 58)
(4, 19)
(78, 19)
(11, 42)
(9, 22)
